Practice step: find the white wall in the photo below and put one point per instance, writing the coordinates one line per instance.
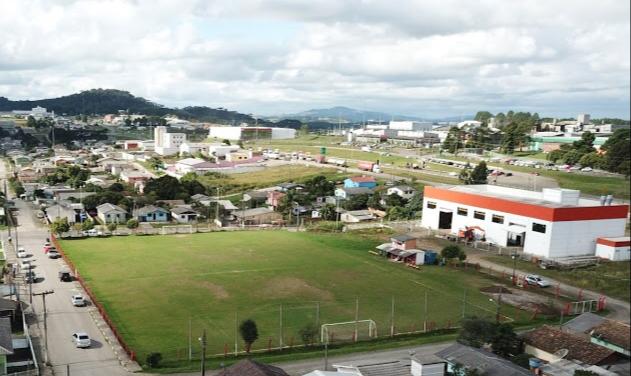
(613, 253)
(283, 133)
(228, 133)
(561, 239)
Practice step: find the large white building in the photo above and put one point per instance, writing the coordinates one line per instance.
(167, 143)
(553, 223)
(251, 133)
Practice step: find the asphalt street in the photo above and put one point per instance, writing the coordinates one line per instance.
(63, 318)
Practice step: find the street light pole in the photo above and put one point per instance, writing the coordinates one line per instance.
(514, 256)
(204, 342)
(43, 295)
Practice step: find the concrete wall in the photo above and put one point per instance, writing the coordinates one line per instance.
(613, 253)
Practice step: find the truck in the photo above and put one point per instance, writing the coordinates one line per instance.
(369, 166)
(336, 161)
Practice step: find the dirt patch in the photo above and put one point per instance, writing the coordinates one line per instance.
(286, 287)
(218, 291)
(496, 290)
(527, 301)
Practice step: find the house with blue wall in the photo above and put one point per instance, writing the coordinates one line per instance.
(360, 182)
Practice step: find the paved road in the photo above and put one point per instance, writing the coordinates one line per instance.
(301, 367)
(63, 318)
(618, 309)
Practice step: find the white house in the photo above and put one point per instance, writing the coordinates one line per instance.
(356, 216)
(109, 213)
(553, 223)
(404, 191)
(184, 214)
(191, 148)
(196, 165)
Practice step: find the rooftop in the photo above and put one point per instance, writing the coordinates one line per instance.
(249, 367)
(486, 362)
(252, 212)
(542, 198)
(551, 340)
(403, 237)
(583, 323)
(614, 332)
(362, 179)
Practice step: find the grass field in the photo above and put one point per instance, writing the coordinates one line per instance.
(151, 286)
(267, 177)
(612, 278)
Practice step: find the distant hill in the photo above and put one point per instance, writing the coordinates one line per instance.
(346, 115)
(110, 101)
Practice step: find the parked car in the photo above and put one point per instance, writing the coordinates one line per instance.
(26, 265)
(30, 276)
(40, 214)
(92, 232)
(81, 340)
(533, 279)
(53, 254)
(78, 301)
(65, 276)
(21, 252)
(587, 169)
(48, 247)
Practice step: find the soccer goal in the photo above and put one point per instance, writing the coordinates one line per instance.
(348, 331)
(177, 229)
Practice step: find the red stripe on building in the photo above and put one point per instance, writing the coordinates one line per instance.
(613, 243)
(528, 210)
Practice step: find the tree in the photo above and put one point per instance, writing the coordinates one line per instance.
(156, 163)
(415, 204)
(396, 212)
(226, 142)
(88, 224)
(60, 225)
(328, 212)
(304, 129)
(31, 122)
(356, 202)
(479, 174)
(452, 252)
(132, 223)
(476, 332)
(112, 226)
(374, 201)
(483, 116)
(460, 370)
(154, 359)
(249, 333)
(618, 152)
(165, 187)
(453, 141)
(308, 334)
(592, 159)
(505, 342)
(320, 186)
(394, 200)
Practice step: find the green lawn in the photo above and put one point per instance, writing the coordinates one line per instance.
(151, 286)
(611, 278)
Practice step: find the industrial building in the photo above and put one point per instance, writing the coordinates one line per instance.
(251, 133)
(167, 143)
(554, 223)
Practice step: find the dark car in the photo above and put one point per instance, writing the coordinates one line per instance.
(65, 276)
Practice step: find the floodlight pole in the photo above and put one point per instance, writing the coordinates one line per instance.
(204, 342)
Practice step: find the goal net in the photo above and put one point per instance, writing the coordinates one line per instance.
(348, 331)
(179, 229)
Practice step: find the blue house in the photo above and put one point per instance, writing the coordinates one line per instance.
(360, 182)
(151, 213)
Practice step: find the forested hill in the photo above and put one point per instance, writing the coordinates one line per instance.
(109, 101)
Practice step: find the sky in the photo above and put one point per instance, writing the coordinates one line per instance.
(427, 58)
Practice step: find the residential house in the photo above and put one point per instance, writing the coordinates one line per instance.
(346, 193)
(192, 148)
(360, 182)
(274, 198)
(21, 160)
(483, 361)
(237, 156)
(402, 367)
(255, 198)
(565, 367)
(286, 187)
(60, 211)
(134, 176)
(184, 214)
(356, 216)
(405, 191)
(28, 175)
(202, 199)
(6, 343)
(546, 341)
(257, 216)
(194, 165)
(151, 213)
(250, 367)
(109, 213)
(613, 335)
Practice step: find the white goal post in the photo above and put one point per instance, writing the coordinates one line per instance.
(350, 330)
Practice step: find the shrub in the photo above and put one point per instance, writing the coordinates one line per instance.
(154, 359)
(132, 223)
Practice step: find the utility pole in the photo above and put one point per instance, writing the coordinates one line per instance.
(499, 304)
(190, 338)
(204, 342)
(280, 320)
(392, 318)
(43, 295)
(464, 304)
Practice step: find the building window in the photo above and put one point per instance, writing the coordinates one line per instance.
(538, 227)
(497, 219)
(463, 211)
(431, 205)
(479, 215)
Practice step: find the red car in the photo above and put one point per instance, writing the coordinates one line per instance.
(48, 248)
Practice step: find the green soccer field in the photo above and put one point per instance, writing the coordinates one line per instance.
(153, 286)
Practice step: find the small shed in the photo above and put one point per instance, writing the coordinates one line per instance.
(614, 249)
(403, 241)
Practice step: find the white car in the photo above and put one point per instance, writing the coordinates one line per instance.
(587, 169)
(26, 265)
(81, 340)
(533, 279)
(78, 301)
(21, 252)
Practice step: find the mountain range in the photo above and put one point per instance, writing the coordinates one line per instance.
(345, 115)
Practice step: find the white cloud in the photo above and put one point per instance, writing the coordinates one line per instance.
(422, 57)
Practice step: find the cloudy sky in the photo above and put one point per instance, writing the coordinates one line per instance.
(426, 57)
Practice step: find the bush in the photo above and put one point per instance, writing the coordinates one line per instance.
(132, 223)
(87, 225)
(452, 252)
(154, 359)
(112, 226)
(308, 334)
